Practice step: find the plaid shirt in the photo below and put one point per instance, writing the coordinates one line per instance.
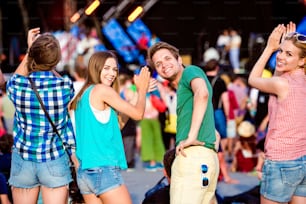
(34, 138)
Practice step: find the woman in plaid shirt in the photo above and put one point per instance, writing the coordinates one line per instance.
(39, 159)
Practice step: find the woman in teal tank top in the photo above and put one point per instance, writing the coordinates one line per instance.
(100, 149)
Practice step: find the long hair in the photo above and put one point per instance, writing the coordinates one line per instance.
(95, 66)
(44, 54)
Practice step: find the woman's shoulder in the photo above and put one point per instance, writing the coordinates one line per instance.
(99, 88)
(101, 91)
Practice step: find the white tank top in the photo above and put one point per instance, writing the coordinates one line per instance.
(101, 115)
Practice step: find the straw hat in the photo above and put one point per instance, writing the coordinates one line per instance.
(246, 129)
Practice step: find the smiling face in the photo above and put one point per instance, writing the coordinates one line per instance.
(109, 72)
(166, 65)
(288, 57)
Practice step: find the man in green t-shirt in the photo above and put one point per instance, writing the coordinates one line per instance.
(196, 167)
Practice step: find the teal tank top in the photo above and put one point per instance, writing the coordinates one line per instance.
(97, 144)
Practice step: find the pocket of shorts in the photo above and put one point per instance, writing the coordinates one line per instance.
(115, 171)
(292, 175)
(58, 167)
(92, 170)
(17, 163)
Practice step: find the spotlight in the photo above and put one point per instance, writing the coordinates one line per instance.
(92, 7)
(135, 14)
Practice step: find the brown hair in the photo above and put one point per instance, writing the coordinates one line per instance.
(169, 157)
(95, 66)
(81, 71)
(211, 65)
(44, 54)
(158, 46)
(249, 142)
(123, 78)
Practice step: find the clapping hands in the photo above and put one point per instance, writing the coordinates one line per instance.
(279, 33)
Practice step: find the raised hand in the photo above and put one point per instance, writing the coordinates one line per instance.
(152, 85)
(275, 37)
(290, 28)
(33, 34)
(142, 80)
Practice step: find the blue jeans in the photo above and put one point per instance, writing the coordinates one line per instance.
(99, 180)
(283, 179)
(29, 174)
(234, 58)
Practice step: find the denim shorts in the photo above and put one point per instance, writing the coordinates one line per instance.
(283, 179)
(99, 180)
(29, 174)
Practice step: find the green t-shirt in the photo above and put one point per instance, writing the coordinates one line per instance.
(185, 106)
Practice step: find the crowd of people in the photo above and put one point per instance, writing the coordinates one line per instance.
(228, 44)
(197, 122)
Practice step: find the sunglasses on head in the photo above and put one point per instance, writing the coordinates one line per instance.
(299, 37)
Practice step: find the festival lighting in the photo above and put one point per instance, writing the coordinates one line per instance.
(135, 14)
(92, 7)
(76, 16)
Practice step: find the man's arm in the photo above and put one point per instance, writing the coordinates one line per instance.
(200, 101)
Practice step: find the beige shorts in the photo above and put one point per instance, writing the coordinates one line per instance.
(187, 177)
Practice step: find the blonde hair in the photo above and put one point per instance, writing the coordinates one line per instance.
(300, 45)
(95, 66)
